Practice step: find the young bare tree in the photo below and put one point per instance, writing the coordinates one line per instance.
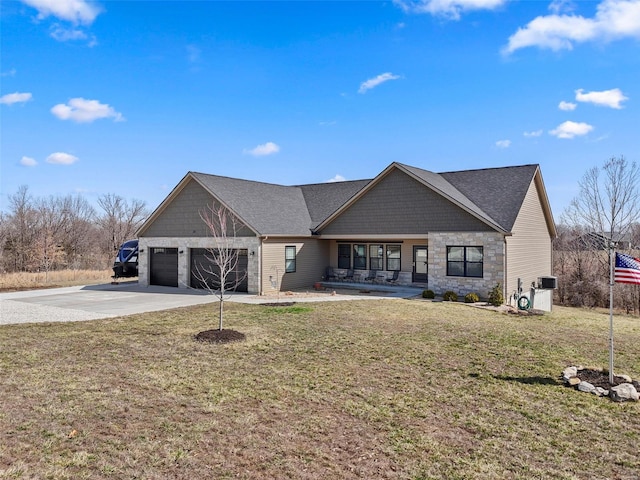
(220, 275)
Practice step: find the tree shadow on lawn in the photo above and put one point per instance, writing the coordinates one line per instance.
(523, 380)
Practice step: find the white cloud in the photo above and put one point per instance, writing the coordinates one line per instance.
(535, 133)
(571, 129)
(558, 6)
(28, 162)
(337, 178)
(374, 82)
(85, 111)
(61, 158)
(268, 148)
(450, 9)
(607, 98)
(11, 98)
(10, 73)
(63, 34)
(614, 19)
(567, 106)
(503, 143)
(75, 11)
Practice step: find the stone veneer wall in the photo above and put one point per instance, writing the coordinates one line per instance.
(252, 244)
(493, 268)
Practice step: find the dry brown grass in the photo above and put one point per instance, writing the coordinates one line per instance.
(371, 389)
(62, 278)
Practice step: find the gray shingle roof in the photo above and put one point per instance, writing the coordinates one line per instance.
(494, 195)
(499, 192)
(325, 198)
(267, 208)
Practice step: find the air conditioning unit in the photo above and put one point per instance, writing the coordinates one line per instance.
(548, 283)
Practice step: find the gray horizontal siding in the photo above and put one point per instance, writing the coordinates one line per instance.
(181, 217)
(398, 205)
(312, 256)
(529, 252)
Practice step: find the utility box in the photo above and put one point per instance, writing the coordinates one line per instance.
(548, 283)
(541, 299)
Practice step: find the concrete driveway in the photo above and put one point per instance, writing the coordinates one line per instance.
(93, 302)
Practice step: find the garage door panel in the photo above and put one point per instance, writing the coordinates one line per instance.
(164, 267)
(206, 274)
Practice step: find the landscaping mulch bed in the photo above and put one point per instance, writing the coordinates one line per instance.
(220, 336)
(600, 378)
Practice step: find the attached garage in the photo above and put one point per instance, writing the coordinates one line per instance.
(164, 266)
(205, 274)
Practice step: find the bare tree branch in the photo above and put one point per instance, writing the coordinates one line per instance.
(120, 220)
(608, 204)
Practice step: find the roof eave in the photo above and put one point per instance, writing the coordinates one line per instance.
(225, 205)
(175, 192)
(403, 168)
(546, 206)
(163, 205)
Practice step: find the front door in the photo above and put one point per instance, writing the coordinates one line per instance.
(420, 264)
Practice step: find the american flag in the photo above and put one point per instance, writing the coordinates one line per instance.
(627, 269)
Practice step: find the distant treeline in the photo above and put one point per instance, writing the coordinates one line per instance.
(581, 263)
(40, 234)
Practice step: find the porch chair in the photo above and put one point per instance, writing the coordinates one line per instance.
(349, 276)
(329, 274)
(394, 279)
(373, 274)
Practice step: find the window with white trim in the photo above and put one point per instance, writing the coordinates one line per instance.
(360, 257)
(376, 257)
(393, 258)
(290, 259)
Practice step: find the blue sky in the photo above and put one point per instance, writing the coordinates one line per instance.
(125, 97)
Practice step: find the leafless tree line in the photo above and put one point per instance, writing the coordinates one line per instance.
(54, 233)
(581, 264)
(604, 217)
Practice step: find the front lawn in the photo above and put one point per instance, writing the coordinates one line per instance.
(362, 389)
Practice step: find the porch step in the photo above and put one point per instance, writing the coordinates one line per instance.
(402, 291)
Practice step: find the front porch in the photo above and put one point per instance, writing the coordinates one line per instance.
(393, 290)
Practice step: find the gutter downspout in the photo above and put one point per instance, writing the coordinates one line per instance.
(505, 270)
(261, 263)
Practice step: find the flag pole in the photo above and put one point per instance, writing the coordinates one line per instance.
(611, 260)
